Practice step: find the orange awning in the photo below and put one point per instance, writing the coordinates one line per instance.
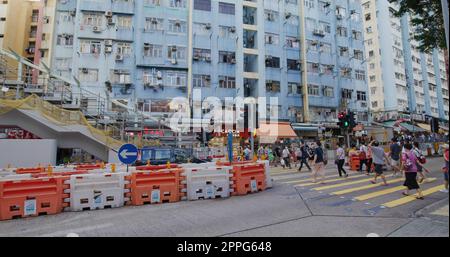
(277, 129)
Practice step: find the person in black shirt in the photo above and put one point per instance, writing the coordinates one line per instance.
(304, 156)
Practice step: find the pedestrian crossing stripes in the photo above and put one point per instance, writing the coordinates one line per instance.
(411, 198)
(326, 181)
(354, 189)
(343, 184)
(384, 192)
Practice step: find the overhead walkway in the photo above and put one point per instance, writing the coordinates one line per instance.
(69, 128)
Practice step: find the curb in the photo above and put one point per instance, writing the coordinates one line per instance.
(421, 213)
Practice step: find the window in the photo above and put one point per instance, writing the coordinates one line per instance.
(341, 31)
(314, 90)
(360, 75)
(374, 104)
(372, 78)
(272, 39)
(227, 82)
(271, 16)
(202, 5)
(151, 50)
(64, 40)
(92, 19)
(63, 63)
(313, 67)
(88, 75)
(153, 24)
(292, 42)
(120, 77)
(201, 29)
(177, 26)
(294, 88)
(201, 80)
(373, 90)
(356, 35)
(272, 62)
(346, 73)
(124, 49)
(361, 96)
(293, 64)
(124, 22)
(152, 78)
(226, 8)
(343, 51)
(325, 48)
(202, 55)
(176, 52)
(176, 78)
(272, 86)
(65, 17)
(227, 57)
(90, 47)
(347, 93)
(227, 32)
(328, 91)
(178, 3)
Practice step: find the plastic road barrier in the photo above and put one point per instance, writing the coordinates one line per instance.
(89, 166)
(162, 186)
(30, 170)
(59, 173)
(156, 167)
(248, 178)
(32, 197)
(207, 183)
(269, 183)
(97, 191)
(354, 162)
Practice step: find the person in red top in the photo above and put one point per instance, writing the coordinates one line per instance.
(446, 167)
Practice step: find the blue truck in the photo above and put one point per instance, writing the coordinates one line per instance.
(158, 156)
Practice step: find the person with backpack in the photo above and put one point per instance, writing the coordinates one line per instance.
(379, 158)
(363, 157)
(416, 150)
(304, 156)
(319, 163)
(410, 164)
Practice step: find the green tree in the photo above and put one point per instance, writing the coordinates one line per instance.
(427, 22)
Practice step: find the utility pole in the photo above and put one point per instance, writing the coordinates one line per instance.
(444, 4)
(304, 64)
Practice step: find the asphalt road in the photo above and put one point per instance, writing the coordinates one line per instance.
(293, 207)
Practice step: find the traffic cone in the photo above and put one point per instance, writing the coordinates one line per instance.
(168, 164)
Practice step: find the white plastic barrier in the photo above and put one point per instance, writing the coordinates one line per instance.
(12, 177)
(207, 183)
(96, 191)
(267, 172)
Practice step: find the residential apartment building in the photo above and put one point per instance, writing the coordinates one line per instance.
(401, 78)
(148, 52)
(26, 27)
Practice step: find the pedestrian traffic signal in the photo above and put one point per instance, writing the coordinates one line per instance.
(342, 119)
(352, 119)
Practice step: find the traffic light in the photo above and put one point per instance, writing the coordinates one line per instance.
(434, 123)
(342, 117)
(352, 119)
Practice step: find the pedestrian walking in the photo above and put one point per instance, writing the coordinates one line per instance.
(369, 161)
(319, 166)
(304, 157)
(410, 164)
(340, 160)
(247, 152)
(394, 153)
(379, 158)
(286, 157)
(445, 168)
(362, 156)
(418, 153)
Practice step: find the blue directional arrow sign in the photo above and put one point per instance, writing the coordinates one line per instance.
(128, 154)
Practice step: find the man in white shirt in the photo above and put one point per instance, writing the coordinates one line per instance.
(286, 156)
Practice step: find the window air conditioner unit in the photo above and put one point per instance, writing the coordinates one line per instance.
(232, 29)
(173, 49)
(314, 42)
(319, 32)
(173, 61)
(73, 13)
(110, 21)
(108, 49)
(84, 70)
(96, 29)
(288, 15)
(208, 26)
(119, 57)
(108, 42)
(339, 16)
(208, 59)
(108, 14)
(196, 57)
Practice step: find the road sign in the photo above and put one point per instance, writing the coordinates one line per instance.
(128, 154)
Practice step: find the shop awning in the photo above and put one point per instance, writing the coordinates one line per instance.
(305, 128)
(426, 127)
(411, 128)
(278, 129)
(389, 124)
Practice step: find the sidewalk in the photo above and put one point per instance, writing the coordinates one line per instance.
(431, 221)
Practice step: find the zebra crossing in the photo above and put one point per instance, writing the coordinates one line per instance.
(357, 187)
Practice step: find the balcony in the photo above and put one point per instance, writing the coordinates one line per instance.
(87, 5)
(126, 7)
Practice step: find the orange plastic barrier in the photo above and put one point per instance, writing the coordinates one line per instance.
(59, 174)
(32, 197)
(162, 186)
(354, 162)
(30, 170)
(233, 163)
(156, 167)
(248, 178)
(88, 166)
